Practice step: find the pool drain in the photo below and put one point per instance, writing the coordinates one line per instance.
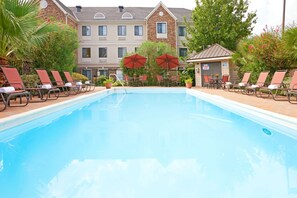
(266, 131)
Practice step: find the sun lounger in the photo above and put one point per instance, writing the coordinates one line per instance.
(291, 91)
(46, 82)
(252, 89)
(14, 79)
(237, 87)
(275, 85)
(9, 93)
(87, 86)
(59, 82)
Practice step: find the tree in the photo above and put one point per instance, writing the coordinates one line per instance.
(262, 53)
(219, 21)
(150, 50)
(19, 26)
(58, 52)
(290, 42)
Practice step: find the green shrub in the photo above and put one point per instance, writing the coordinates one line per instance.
(117, 83)
(79, 77)
(100, 80)
(108, 80)
(188, 80)
(31, 80)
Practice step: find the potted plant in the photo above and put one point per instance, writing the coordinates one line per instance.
(188, 82)
(108, 83)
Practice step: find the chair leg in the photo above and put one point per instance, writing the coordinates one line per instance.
(4, 102)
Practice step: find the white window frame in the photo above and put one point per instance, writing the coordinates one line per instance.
(82, 52)
(140, 32)
(179, 49)
(161, 35)
(179, 31)
(103, 30)
(122, 30)
(82, 31)
(99, 15)
(99, 52)
(123, 53)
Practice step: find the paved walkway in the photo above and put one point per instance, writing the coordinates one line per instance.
(9, 111)
(281, 107)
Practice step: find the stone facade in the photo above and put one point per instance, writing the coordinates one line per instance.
(52, 10)
(162, 15)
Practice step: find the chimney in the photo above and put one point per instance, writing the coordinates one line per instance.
(78, 8)
(121, 8)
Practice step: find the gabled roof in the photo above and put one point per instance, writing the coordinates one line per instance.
(113, 13)
(165, 8)
(214, 51)
(64, 8)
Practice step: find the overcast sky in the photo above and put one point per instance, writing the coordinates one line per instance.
(269, 12)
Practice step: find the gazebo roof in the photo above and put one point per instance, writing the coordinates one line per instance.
(215, 51)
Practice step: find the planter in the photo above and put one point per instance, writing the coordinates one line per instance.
(189, 85)
(108, 85)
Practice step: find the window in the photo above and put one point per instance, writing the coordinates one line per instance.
(122, 52)
(102, 52)
(182, 31)
(161, 28)
(138, 30)
(86, 30)
(136, 48)
(183, 52)
(127, 15)
(86, 52)
(121, 30)
(103, 72)
(99, 15)
(102, 30)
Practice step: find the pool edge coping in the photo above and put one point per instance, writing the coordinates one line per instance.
(251, 112)
(21, 118)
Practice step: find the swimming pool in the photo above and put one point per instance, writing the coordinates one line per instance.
(140, 144)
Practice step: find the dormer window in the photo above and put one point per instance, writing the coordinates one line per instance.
(99, 15)
(127, 15)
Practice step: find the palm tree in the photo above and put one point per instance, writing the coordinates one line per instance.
(290, 40)
(19, 26)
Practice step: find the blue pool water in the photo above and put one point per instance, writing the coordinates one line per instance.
(148, 145)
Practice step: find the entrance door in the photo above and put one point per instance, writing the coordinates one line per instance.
(87, 73)
(211, 69)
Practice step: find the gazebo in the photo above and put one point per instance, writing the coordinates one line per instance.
(214, 60)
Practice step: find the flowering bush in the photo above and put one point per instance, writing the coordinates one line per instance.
(262, 52)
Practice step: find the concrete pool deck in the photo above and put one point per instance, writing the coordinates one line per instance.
(280, 107)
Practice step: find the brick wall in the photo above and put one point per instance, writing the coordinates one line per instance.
(171, 27)
(52, 10)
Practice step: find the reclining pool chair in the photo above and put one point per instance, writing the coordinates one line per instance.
(87, 86)
(252, 89)
(292, 91)
(240, 87)
(14, 79)
(274, 87)
(59, 82)
(287, 92)
(8, 93)
(46, 82)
